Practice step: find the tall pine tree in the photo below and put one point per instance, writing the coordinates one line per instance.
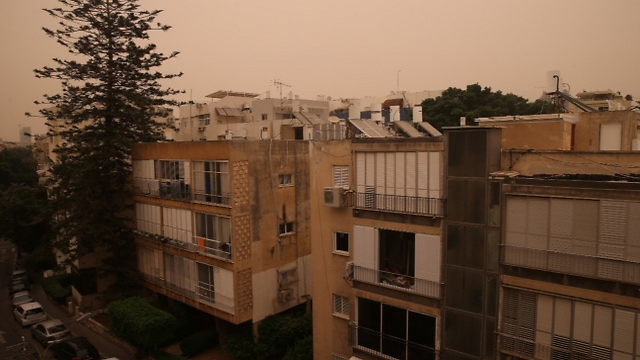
(110, 95)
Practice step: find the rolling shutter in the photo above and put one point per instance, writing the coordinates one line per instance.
(365, 247)
(602, 318)
(434, 174)
(516, 221)
(582, 318)
(360, 172)
(428, 257)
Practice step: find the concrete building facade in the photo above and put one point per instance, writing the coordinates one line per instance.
(377, 212)
(223, 226)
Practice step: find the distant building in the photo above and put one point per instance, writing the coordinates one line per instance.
(25, 135)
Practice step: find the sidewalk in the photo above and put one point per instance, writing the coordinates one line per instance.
(107, 343)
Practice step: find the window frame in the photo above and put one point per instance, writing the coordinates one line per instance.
(286, 228)
(335, 243)
(341, 306)
(285, 180)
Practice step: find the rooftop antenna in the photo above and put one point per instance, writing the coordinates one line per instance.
(280, 84)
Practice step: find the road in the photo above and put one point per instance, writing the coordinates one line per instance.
(11, 333)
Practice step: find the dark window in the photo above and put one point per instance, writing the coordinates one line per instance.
(466, 202)
(467, 152)
(341, 242)
(397, 253)
(468, 341)
(465, 289)
(465, 246)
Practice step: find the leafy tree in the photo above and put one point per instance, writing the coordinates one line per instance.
(24, 216)
(475, 102)
(17, 166)
(110, 93)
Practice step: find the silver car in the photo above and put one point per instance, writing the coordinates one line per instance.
(50, 332)
(21, 297)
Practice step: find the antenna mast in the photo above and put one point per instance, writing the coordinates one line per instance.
(280, 84)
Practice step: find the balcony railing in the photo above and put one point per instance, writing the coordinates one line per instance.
(387, 346)
(218, 301)
(572, 264)
(399, 204)
(177, 190)
(212, 248)
(397, 281)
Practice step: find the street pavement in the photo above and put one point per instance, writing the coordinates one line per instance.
(108, 347)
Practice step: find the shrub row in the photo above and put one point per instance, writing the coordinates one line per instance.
(57, 288)
(198, 342)
(141, 324)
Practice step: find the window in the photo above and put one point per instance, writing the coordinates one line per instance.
(397, 257)
(204, 120)
(287, 228)
(212, 181)
(285, 179)
(171, 174)
(213, 235)
(341, 305)
(341, 243)
(265, 117)
(205, 282)
(341, 176)
(395, 332)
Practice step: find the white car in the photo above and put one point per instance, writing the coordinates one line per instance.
(50, 332)
(29, 313)
(21, 297)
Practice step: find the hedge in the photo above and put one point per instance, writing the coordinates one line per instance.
(194, 344)
(141, 324)
(55, 289)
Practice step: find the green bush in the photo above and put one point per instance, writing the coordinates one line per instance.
(240, 346)
(143, 325)
(279, 332)
(301, 350)
(198, 342)
(55, 289)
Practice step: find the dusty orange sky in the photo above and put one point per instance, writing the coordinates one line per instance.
(353, 48)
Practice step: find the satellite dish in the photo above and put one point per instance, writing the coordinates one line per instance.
(334, 119)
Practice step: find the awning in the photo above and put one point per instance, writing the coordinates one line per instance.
(406, 128)
(369, 128)
(227, 111)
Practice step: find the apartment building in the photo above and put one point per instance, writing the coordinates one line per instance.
(560, 232)
(223, 226)
(377, 209)
(241, 115)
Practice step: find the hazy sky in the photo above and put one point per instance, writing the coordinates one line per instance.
(352, 48)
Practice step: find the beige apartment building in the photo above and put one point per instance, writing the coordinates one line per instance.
(224, 226)
(377, 210)
(566, 224)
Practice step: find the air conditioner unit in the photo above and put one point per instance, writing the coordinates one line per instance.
(285, 295)
(348, 271)
(333, 197)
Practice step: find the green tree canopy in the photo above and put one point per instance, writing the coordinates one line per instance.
(110, 94)
(17, 166)
(475, 102)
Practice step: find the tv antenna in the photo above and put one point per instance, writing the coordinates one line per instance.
(280, 84)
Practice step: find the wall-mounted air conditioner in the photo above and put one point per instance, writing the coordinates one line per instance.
(334, 197)
(285, 295)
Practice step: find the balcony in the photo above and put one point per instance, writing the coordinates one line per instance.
(219, 199)
(396, 281)
(388, 346)
(220, 302)
(211, 248)
(572, 264)
(399, 204)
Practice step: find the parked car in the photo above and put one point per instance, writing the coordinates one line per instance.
(50, 332)
(21, 297)
(29, 313)
(18, 286)
(20, 275)
(75, 348)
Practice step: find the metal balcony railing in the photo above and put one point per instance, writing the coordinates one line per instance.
(212, 248)
(399, 204)
(206, 296)
(388, 346)
(572, 264)
(396, 281)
